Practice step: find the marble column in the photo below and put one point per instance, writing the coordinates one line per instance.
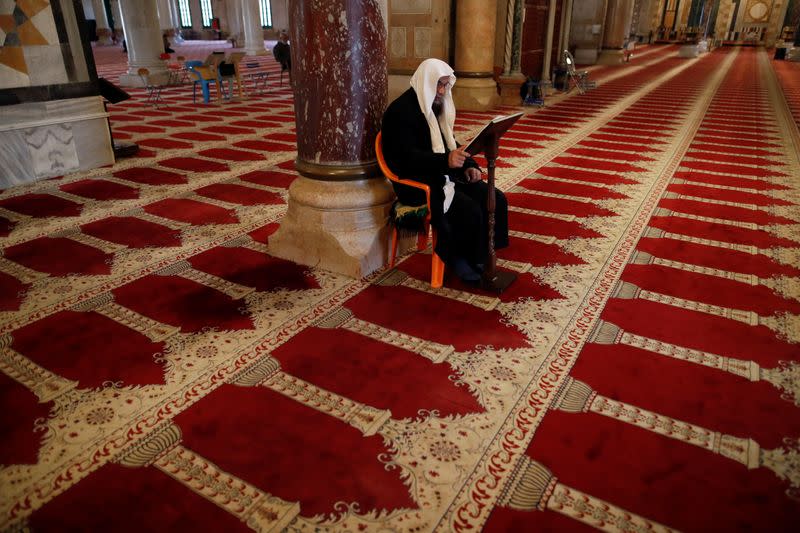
(511, 79)
(548, 43)
(253, 33)
(176, 21)
(119, 31)
(165, 21)
(339, 205)
(143, 37)
(566, 17)
(235, 22)
(103, 30)
(617, 26)
(475, 89)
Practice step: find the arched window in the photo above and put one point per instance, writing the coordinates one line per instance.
(185, 13)
(266, 13)
(206, 13)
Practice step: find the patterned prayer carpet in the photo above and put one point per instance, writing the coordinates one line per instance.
(162, 371)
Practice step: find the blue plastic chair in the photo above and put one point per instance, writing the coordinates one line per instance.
(203, 76)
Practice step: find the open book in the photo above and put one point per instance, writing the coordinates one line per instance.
(494, 129)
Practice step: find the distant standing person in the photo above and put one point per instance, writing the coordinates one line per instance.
(282, 52)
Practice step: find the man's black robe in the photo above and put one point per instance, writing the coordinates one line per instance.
(409, 153)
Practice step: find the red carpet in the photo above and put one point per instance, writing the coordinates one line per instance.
(161, 371)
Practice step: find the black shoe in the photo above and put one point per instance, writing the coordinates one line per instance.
(465, 272)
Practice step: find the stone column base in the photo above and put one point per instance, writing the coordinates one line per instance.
(611, 57)
(255, 51)
(339, 226)
(158, 76)
(104, 37)
(475, 94)
(509, 89)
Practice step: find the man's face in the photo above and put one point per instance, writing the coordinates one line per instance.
(441, 88)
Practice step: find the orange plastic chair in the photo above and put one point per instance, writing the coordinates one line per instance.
(437, 265)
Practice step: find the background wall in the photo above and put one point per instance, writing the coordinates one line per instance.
(587, 29)
(418, 29)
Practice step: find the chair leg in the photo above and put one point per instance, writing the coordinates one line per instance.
(437, 265)
(157, 95)
(394, 248)
(437, 271)
(194, 93)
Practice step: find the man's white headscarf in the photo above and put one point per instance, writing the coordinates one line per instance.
(424, 83)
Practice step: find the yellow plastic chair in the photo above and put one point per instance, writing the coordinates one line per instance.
(437, 265)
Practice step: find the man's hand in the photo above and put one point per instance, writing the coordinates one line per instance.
(472, 174)
(456, 158)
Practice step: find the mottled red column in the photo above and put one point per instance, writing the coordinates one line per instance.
(340, 81)
(338, 207)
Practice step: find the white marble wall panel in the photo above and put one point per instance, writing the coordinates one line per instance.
(44, 139)
(46, 65)
(52, 149)
(93, 143)
(16, 163)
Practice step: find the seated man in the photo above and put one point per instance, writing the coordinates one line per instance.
(418, 144)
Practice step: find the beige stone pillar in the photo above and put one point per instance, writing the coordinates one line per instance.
(618, 23)
(103, 30)
(145, 45)
(512, 78)
(475, 89)
(566, 27)
(116, 13)
(253, 33)
(775, 26)
(165, 20)
(176, 19)
(235, 20)
(548, 42)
